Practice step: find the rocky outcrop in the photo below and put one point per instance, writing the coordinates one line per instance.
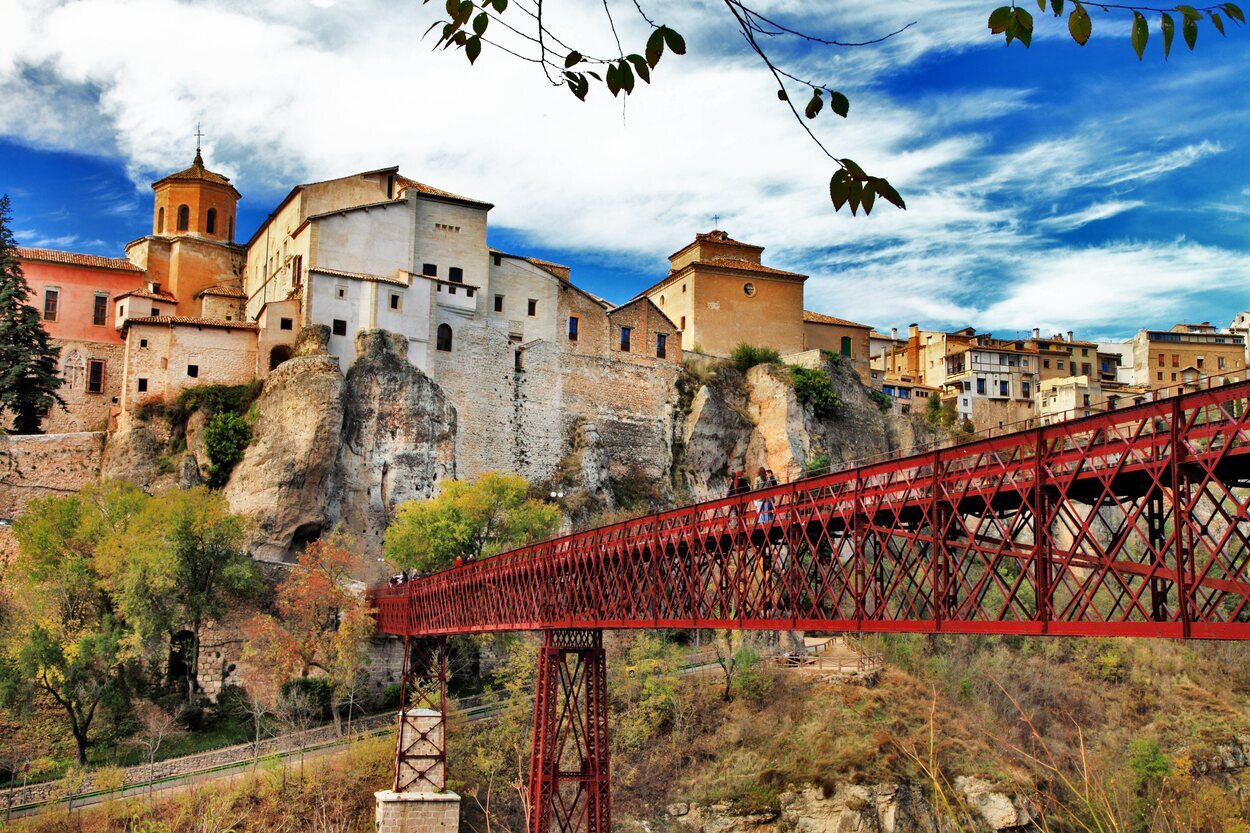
(283, 480)
(742, 421)
(398, 439)
(867, 808)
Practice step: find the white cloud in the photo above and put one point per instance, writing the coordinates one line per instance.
(1092, 214)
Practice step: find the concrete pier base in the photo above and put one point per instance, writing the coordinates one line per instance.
(417, 812)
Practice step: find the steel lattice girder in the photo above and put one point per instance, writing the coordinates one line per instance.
(420, 751)
(569, 770)
(1130, 523)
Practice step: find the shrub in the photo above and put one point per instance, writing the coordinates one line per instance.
(212, 399)
(883, 400)
(933, 411)
(747, 356)
(815, 388)
(390, 696)
(317, 690)
(1147, 761)
(634, 489)
(817, 465)
(225, 437)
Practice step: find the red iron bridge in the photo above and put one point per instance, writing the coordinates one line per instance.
(1128, 523)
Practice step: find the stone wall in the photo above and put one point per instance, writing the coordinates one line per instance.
(85, 411)
(42, 465)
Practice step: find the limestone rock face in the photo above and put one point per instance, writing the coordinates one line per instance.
(398, 439)
(283, 479)
(134, 454)
(863, 808)
(743, 421)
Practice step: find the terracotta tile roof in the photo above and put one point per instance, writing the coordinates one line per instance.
(147, 293)
(169, 320)
(718, 236)
(421, 188)
(75, 259)
(559, 270)
(821, 318)
(357, 276)
(222, 291)
(197, 172)
(734, 263)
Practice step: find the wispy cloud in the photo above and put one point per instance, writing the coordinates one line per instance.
(1092, 214)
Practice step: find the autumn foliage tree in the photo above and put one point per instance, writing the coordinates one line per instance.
(323, 623)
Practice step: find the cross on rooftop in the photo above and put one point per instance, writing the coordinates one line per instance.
(715, 221)
(199, 134)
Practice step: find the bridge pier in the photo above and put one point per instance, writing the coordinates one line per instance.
(569, 766)
(418, 801)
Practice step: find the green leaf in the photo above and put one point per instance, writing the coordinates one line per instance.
(886, 191)
(1024, 26)
(1079, 25)
(640, 67)
(578, 84)
(572, 59)
(448, 31)
(1189, 11)
(626, 75)
(1234, 12)
(453, 8)
(781, 95)
(868, 196)
(839, 189)
(480, 23)
(460, 39)
(473, 48)
(655, 47)
(1190, 30)
(1141, 33)
(814, 105)
(1057, 6)
(1041, 5)
(613, 80)
(999, 18)
(466, 12)
(675, 41)
(432, 27)
(839, 103)
(1219, 24)
(500, 5)
(1168, 27)
(852, 169)
(856, 194)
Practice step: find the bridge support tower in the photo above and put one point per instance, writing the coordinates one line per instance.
(569, 763)
(418, 801)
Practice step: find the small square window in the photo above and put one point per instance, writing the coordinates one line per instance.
(285, 324)
(339, 328)
(498, 260)
(143, 343)
(455, 274)
(429, 270)
(533, 307)
(340, 292)
(394, 300)
(155, 312)
(193, 371)
(470, 291)
(143, 385)
(498, 303)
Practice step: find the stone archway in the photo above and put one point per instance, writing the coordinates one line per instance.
(279, 354)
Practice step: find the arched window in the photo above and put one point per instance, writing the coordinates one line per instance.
(160, 220)
(444, 338)
(210, 222)
(184, 218)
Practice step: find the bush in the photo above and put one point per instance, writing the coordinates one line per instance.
(634, 489)
(390, 696)
(747, 356)
(212, 399)
(815, 388)
(317, 690)
(884, 401)
(225, 437)
(933, 411)
(817, 465)
(1147, 761)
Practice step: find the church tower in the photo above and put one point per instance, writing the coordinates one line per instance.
(191, 249)
(195, 201)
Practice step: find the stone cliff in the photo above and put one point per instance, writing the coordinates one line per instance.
(333, 450)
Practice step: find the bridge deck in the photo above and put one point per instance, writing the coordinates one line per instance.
(1133, 522)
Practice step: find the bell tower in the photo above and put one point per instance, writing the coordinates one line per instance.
(196, 202)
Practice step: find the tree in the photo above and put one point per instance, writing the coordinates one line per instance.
(468, 520)
(323, 624)
(28, 376)
(529, 39)
(62, 637)
(155, 727)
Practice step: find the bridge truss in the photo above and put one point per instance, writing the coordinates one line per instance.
(1129, 523)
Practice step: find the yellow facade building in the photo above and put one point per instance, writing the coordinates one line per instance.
(1161, 357)
(720, 295)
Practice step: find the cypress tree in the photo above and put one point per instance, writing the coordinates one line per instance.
(28, 376)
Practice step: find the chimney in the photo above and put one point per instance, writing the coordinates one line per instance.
(913, 330)
(894, 333)
(1037, 332)
(1069, 335)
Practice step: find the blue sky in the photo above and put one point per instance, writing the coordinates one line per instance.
(1061, 187)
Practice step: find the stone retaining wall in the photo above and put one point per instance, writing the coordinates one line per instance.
(40, 465)
(190, 764)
